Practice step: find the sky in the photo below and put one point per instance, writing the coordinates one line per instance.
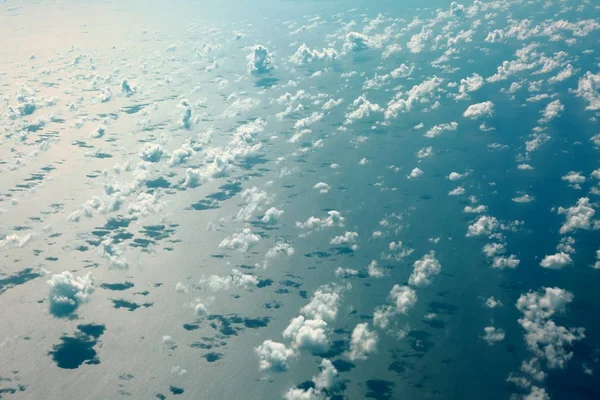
(299, 199)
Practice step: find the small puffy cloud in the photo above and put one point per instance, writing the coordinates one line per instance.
(479, 110)
(455, 176)
(241, 241)
(425, 152)
(280, 248)
(356, 41)
(523, 199)
(557, 261)
(305, 55)
(415, 173)
(577, 217)
(362, 342)
(272, 215)
(424, 269)
(596, 265)
(493, 335)
(485, 225)
(565, 74)
(259, 60)
(441, 128)
(324, 303)
(552, 110)
(307, 334)
(361, 108)
(345, 272)
(574, 178)
(457, 191)
(403, 297)
(67, 292)
(470, 84)
(402, 71)
(491, 302)
(588, 88)
(302, 394)
(237, 279)
(548, 341)
(493, 249)
(185, 120)
(374, 270)
(418, 94)
(480, 209)
(502, 262)
(417, 42)
(152, 152)
(348, 238)
(334, 218)
(14, 240)
(325, 378)
(273, 356)
(322, 187)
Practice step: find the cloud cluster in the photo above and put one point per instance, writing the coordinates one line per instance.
(67, 292)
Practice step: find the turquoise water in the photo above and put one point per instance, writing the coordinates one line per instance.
(171, 176)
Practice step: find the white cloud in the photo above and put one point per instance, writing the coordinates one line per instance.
(437, 130)
(424, 269)
(374, 270)
(480, 209)
(547, 340)
(493, 335)
(416, 44)
(67, 292)
(425, 152)
(241, 241)
(334, 218)
(325, 378)
(307, 334)
(578, 216)
(574, 179)
(272, 215)
(324, 303)
(491, 302)
(402, 71)
(348, 238)
(493, 249)
(523, 199)
(557, 261)
(237, 279)
(259, 60)
(485, 225)
(301, 394)
(479, 110)
(273, 356)
(362, 342)
(361, 108)
(502, 262)
(403, 297)
(280, 248)
(552, 110)
(457, 191)
(455, 176)
(322, 187)
(152, 152)
(418, 94)
(345, 272)
(304, 55)
(415, 173)
(588, 88)
(470, 84)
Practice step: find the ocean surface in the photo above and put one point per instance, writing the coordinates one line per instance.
(299, 199)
